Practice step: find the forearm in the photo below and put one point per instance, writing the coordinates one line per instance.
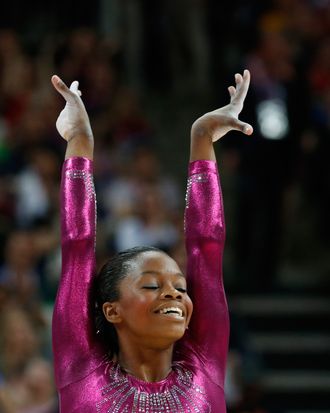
(77, 200)
(204, 214)
(81, 145)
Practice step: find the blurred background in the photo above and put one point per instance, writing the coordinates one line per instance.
(147, 70)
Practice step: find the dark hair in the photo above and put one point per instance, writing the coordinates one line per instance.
(106, 288)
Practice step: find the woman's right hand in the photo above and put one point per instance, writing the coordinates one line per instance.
(73, 121)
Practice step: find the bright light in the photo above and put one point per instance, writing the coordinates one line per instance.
(273, 119)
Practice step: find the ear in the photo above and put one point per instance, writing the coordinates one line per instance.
(111, 312)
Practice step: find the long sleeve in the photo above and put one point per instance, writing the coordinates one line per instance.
(205, 237)
(75, 351)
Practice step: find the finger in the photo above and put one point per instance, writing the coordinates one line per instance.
(244, 127)
(62, 88)
(231, 91)
(238, 79)
(74, 87)
(59, 85)
(243, 87)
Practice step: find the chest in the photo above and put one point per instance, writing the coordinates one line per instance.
(177, 393)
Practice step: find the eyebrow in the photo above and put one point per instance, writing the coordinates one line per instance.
(159, 273)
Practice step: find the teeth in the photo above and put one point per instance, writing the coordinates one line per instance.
(173, 310)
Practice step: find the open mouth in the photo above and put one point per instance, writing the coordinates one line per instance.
(175, 312)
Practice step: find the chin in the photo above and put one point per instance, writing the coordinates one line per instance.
(172, 335)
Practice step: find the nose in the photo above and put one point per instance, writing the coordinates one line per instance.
(171, 293)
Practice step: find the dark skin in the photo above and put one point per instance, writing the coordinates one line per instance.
(146, 335)
(155, 282)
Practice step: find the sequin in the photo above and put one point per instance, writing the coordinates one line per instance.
(87, 177)
(195, 178)
(181, 396)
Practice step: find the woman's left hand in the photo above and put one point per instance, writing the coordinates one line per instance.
(214, 125)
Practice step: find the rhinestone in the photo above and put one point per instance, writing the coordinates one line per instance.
(88, 180)
(183, 396)
(195, 178)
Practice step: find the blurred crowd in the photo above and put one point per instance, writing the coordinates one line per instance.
(276, 185)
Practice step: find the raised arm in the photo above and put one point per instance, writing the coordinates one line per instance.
(205, 231)
(75, 351)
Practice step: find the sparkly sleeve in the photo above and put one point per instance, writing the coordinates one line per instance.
(205, 236)
(75, 352)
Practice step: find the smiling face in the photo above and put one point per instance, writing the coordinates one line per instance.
(154, 308)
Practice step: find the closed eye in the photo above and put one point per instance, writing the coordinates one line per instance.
(150, 287)
(182, 290)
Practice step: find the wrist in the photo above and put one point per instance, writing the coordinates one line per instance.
(201, 144)
(200, 132)
(78, 132)
(80, 145)
(81, 137)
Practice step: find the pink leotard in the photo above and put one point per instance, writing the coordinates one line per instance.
(86, 380)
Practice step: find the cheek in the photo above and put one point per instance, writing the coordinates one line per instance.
(135, 315)
(134, 304)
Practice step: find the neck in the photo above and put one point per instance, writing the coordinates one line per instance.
(147, 364)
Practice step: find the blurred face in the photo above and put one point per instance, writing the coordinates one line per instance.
(38, 379)
(154, 308)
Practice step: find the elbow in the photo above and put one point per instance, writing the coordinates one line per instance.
(77, 233)
(78, 241)
(205, 233)
(216, 240)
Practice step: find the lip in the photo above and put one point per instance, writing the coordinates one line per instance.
(172, 316)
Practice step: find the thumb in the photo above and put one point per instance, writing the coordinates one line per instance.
(244, 127)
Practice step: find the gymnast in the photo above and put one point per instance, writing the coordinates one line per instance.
(127, 339)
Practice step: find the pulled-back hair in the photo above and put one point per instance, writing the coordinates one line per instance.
(106, 289)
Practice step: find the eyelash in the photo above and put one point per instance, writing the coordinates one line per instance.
(154, 287)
